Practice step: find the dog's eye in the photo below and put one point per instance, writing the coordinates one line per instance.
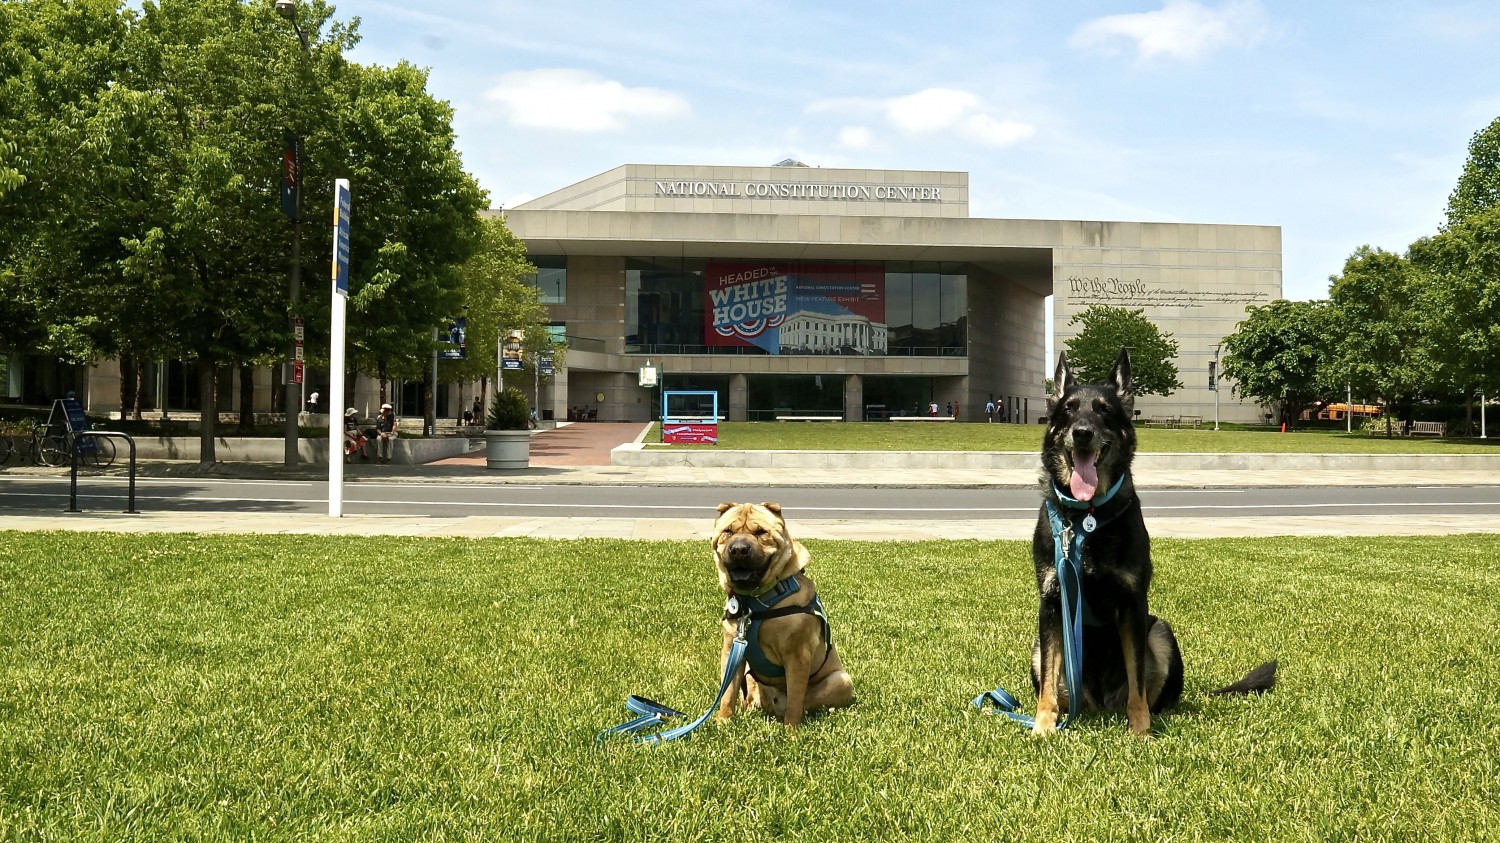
(1072, 404)
(1100, 405)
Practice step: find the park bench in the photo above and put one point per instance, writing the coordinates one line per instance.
(1428, 428)
(810, 418)
(1161, 421)
(921, 418)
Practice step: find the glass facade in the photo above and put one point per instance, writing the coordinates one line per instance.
(868, 308)
(551, 278)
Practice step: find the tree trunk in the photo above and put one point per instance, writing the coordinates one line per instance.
(208, 412)
(247, 398)
(140, 387)
(127, 385)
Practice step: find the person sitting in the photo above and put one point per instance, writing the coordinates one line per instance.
(354, 441)
(385, 432)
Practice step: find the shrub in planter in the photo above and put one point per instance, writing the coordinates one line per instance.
(509, 411)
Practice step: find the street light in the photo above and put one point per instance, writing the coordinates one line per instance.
(292, 207)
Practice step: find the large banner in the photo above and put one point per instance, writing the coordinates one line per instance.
(796, 308)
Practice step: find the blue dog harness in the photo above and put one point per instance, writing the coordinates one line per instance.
(1070, 527)
(762, 607)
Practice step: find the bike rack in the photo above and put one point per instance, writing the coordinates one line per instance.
(73, 478)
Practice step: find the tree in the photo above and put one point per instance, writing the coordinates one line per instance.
(1478, 186)
(496, 297)
(1459, 298)
(1280, 355)
(1105, 330)
(416, 218)
(1379, 323)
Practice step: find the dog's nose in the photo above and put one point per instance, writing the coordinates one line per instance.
(1083, 436)
(739, 549)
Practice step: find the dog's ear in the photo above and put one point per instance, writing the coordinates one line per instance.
(775, 508)
(725, 507)
(1062, 378)
(1121, 380)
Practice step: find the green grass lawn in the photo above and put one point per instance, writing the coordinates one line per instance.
(939, 436)
(173, 687)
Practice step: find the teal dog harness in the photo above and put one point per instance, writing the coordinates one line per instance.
(762, 607)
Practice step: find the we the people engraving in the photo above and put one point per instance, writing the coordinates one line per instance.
(1134, 292)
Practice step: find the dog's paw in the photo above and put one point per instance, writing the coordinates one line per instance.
(1045, 723)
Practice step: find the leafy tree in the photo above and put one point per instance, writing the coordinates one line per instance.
(1459, 299)
(1478, 186)
(496, 297)
(416, 218)
(1378, 317)
(1280, 355)
(1092, 351)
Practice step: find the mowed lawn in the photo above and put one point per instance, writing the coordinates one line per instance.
(949, 436)
(177, 687)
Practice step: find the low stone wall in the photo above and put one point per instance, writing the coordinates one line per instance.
(636, 454)
(259, 449)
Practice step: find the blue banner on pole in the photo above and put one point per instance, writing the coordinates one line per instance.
(341, 236)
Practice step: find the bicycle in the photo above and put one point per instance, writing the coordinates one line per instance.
(102, 455)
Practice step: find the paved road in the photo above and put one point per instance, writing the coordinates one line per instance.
(661, 511)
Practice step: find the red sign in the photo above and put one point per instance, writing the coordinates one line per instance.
(297, 370)
(700, 433)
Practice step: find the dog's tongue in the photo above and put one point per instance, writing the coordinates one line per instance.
(1085, 476)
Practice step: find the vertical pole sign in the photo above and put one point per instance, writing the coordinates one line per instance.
(336, 348)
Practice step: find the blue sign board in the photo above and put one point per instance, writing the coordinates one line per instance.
(341, 237)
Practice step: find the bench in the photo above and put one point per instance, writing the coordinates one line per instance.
(1174, 421)
(921, 418)
(1421, 428)
(810, 418)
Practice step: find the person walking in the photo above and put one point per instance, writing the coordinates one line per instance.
(385, 434)
(989, 410)
(478, 411)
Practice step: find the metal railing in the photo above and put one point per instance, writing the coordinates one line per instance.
(73, 472)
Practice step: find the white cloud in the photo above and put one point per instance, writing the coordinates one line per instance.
(1181, 29)
(987, 129)
(856, 138)
(933, 108)
(925, 112)
(579, 101)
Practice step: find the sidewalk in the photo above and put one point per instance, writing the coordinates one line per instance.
(578, 454)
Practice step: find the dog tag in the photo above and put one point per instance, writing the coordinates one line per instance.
(732, 606)
(1089, 523)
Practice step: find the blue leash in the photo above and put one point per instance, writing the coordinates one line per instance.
(652, 713)
(1067, 549)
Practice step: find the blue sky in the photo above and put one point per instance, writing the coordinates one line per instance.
(1345, 123)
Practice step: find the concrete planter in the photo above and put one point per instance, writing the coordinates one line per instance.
(507, 449)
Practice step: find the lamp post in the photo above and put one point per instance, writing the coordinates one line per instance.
(291, 205)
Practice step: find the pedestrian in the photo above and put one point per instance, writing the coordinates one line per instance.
(385, 433)
(932, 409)
(312, 402)
(478, 411)
(956, 411)
(950, 409)
(989, 410)
(354, 441)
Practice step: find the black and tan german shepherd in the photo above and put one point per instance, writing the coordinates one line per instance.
(1131, 661)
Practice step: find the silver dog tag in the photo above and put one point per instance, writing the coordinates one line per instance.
(1089, 523)
(732, 606)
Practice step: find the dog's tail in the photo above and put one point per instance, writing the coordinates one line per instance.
(1257, 681)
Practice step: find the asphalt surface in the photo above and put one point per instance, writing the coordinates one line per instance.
(578, 455)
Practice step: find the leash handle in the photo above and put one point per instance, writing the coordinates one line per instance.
(653, 713)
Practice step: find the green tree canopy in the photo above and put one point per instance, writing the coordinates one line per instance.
(1459, 299)
(1379, 324)
(1280, 355)
(1105, 330)
(1478, 186)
